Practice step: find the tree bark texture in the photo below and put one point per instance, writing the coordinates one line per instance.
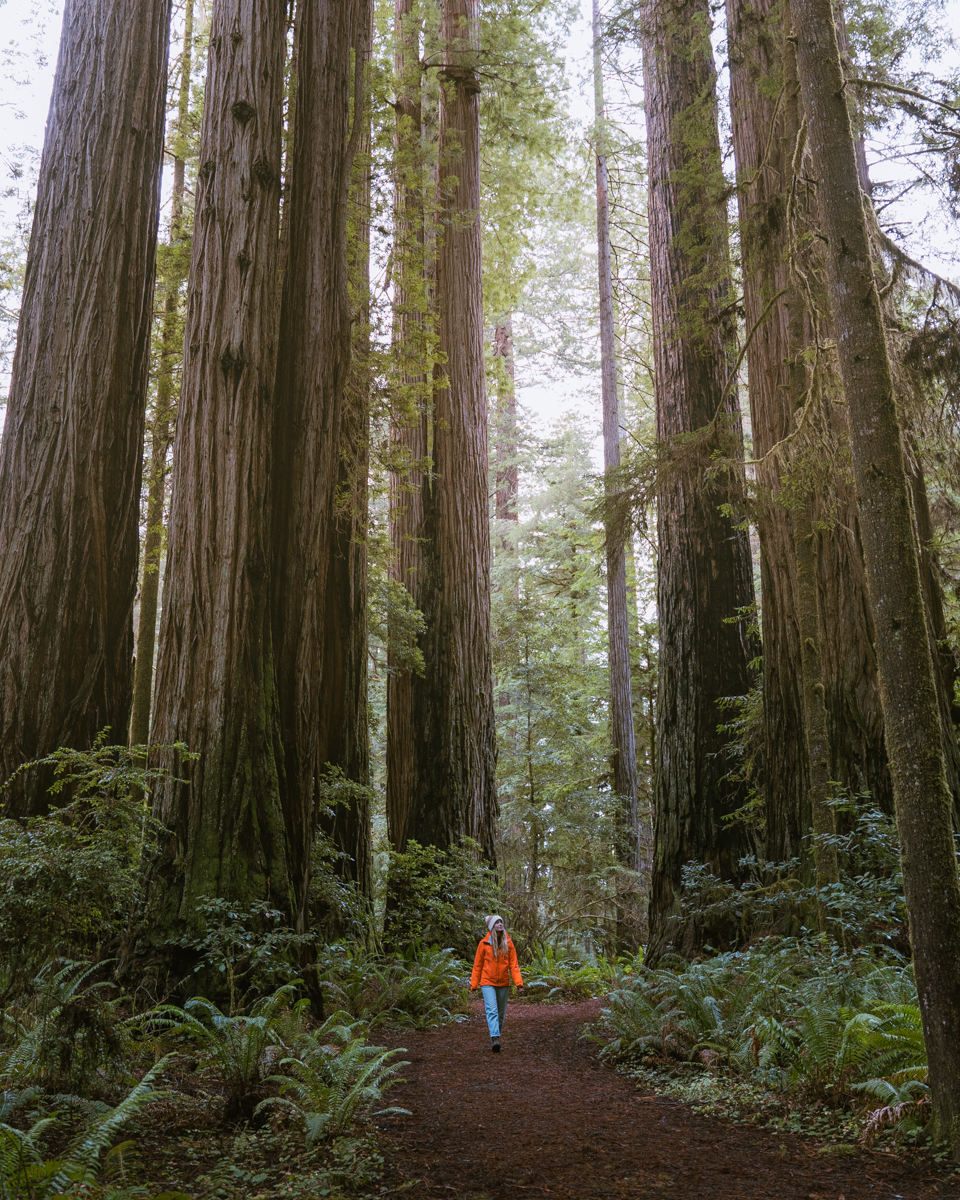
(622, 733)
(215, 674)
(764, 157)
(344, 732)
(907, 683)
(70, 463)
(455, 789)
(705, 572)
(312, 367)
(171, 355)
(409, 428)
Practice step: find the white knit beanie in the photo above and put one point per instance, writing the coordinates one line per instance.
(492, 920)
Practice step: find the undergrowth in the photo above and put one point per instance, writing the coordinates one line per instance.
(800, 1035)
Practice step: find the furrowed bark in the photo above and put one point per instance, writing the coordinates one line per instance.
(622, 734)
(70, 463)
(705, 575)
(409, 425)
(907, 683)
(312, 369)
(455, 790)
(215, 674)
(344, 733)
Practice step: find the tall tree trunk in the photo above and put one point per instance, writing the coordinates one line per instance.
(215, 674)
(312, 369)
(907, 684)
(344, 732)
(70, 464)
(705, 575)
(763, 153)
(409, 424)
(507, 495)
(455, 789)
(171, 354)
(622, 734)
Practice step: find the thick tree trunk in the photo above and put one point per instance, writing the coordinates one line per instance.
(455, 790)
(705, 575)
(215, 674)
(70, 464)
(171, 355)
(409, 425)
(312, 368)
(908, 688)
(344, 733)
(622, 734)
(763, 153)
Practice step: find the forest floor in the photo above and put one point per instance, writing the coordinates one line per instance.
(545, 1119)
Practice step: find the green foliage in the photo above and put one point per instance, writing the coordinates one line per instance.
(336, 1078)
(438, 896)
(247, 945)
(865, 908)
(70, 880)
(801, 1019)
(551, 975)
(26, 1174)
(420, 988)
(240, 1050)
(67, 1035)
(557, 856)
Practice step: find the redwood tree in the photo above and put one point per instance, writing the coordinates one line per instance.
(622, 733)
(312, 370)
(705, 579)
(215, 686)
(908, 686)
(454, 791)
(70, 461)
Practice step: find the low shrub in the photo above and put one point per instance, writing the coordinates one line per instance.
(420, 988)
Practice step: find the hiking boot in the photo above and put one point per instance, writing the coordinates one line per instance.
(495, 1046)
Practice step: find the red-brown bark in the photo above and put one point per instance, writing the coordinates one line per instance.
(705, 579)
(215, 673)
(70, 462)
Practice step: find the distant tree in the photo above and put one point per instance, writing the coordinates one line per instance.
(705, 585)
(70, 462)
(622, 732)
(162, 418)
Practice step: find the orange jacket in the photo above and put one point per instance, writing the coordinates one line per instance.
(495, 971)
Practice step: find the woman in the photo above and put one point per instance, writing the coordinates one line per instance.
(495, 963)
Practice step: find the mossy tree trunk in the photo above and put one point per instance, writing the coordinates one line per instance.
(344, 733)
(705, 581)
(70, 464)
(907, 683)
(409, 437)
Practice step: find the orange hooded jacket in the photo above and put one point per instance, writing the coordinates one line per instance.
(495, 972)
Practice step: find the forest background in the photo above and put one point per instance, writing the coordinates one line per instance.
(580, 864)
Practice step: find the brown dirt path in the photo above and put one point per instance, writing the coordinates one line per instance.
(545, 1119)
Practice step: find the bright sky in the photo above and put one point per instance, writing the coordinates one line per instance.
(29, 35)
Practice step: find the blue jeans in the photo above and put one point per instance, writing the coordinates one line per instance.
(495, 1004)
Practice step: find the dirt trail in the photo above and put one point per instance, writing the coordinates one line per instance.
(544, 1119)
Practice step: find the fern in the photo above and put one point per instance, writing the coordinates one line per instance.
(336, 1079)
